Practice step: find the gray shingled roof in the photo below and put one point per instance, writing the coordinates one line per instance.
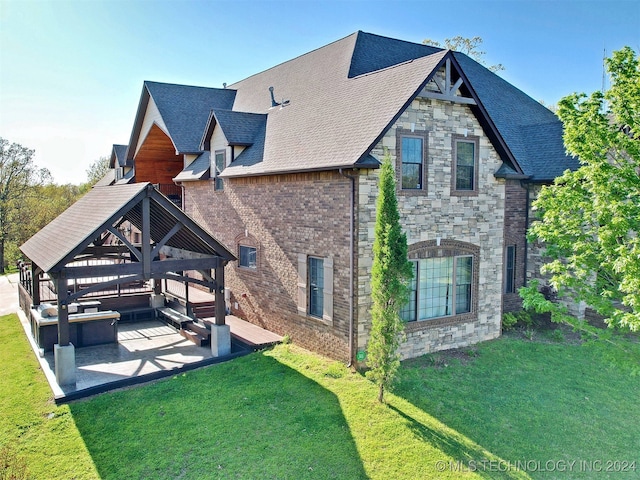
(196, 170)
(118, 156)
(373, 52)
(108, 179)
(532, 132)
(184, 110)
(331, 120)
(342, 97)
(77, 227)
(240, 128)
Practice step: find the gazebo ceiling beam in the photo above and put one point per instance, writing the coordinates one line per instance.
(156, 269)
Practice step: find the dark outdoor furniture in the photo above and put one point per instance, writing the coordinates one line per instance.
(85, 329)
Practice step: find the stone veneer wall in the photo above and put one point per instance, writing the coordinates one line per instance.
(283, 216)
(477, 220)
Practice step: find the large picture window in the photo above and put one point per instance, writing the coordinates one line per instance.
(441, 287)
(465, 165)
(445, 281)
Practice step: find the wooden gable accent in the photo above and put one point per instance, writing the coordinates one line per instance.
(156, 161)
(451, 87)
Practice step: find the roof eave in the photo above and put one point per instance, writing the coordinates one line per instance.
(350, 166)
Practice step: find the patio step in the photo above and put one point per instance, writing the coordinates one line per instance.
(200, 329)
(194, 337)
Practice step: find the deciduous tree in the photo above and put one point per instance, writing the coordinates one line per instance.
(18, 174)
(468, 46)
(390, 275)
(590, 218)
(97, 170)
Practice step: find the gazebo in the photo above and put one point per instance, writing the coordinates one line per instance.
(79, 244)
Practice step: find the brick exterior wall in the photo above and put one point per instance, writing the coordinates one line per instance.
(515, 227)
(477, 220)
(282, 216)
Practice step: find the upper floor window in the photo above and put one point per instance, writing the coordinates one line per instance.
(220, 163)
(411, 148)
(465, 165)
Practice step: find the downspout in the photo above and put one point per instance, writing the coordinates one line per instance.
(526, 229)
(351, 261)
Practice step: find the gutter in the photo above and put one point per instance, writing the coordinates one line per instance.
(351, 262)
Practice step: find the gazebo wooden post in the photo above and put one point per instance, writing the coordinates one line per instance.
(64, 354)
(221, 310)
(35, 284)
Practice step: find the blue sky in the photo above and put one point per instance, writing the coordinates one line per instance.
(71, 72)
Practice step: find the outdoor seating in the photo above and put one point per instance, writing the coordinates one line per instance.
(85, 329)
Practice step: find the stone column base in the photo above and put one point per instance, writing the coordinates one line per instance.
(64, 358)
(220, 340)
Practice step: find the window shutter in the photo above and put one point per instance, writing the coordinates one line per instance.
(302, 284)
(327, 314)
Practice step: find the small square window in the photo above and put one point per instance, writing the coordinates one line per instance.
(247, 257)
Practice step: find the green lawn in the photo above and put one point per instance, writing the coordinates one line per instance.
(289, 414)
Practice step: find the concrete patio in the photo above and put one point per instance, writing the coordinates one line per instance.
(145, 351)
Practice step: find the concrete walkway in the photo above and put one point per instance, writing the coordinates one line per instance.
(9, 294)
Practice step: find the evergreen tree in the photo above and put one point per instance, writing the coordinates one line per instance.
(390, 276)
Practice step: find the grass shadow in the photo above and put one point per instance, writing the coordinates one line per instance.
(252, 417)
(467, 456)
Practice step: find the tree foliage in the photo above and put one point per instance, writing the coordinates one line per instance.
(390, 274)
(97, 170)
(18, 174)
(590, 218)
(468, 46)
